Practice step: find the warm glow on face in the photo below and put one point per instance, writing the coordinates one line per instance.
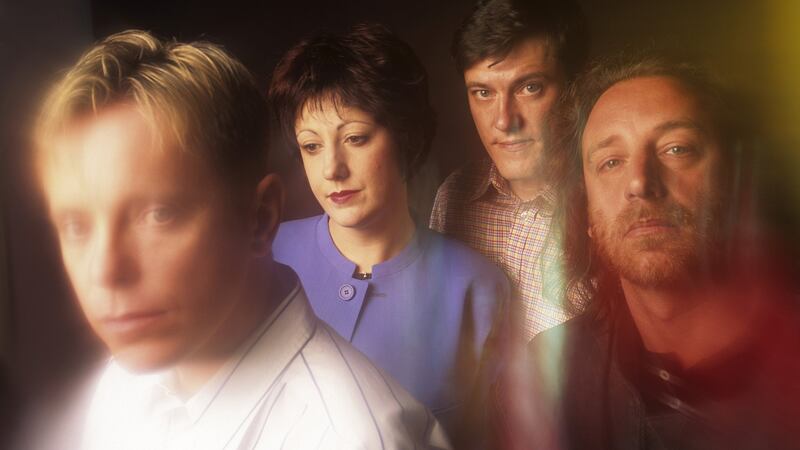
(149, 243)
(650, 162)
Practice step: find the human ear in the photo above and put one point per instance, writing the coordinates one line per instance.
(267, 213)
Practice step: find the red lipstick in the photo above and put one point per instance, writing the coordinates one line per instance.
(342, 197)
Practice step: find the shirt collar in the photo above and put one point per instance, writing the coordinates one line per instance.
(489, 177)
(499, 183)
(486, 177)
(329, 250)
(398, 262)
(256, 367)
(659, 378)
(224, 402)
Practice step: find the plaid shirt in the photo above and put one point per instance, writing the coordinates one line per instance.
(476, 205)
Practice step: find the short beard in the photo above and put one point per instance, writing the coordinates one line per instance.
(663, 261)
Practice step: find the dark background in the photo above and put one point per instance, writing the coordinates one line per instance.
(43, 339)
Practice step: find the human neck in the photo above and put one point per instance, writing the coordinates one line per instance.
(264, 289)
(376, 242)
(690, 322)
(526, 189)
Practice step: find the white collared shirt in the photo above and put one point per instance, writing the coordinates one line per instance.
(294, 384)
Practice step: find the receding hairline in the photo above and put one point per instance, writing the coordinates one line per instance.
(701, 102)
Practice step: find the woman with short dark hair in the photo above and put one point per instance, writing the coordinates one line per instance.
(423, 307)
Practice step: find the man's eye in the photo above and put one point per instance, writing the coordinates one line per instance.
(481, 93)
(532, 88)
(678, 150)
(74, 229)
(610, 164)
(161, 215)
(357, 139)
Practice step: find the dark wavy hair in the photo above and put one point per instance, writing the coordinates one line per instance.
(494, 27)
(367, 67)
(588, 282)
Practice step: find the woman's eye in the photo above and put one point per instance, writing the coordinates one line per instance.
(357, 139)
(310, 148)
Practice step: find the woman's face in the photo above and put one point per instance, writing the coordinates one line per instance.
(350, 163)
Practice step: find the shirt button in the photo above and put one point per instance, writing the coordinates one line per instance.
(663, 374)
(674, 403)
(346, 292)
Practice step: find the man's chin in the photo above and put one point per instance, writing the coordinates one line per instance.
(524, 172)
(655, 278)
(656, 269)
(143, 359)
(515, 165)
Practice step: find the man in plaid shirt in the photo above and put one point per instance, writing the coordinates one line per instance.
(516, 58)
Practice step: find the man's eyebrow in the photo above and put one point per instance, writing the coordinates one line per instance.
(680, 123)
(61, 215)
(534, 75)
(475, 84)
(661, 128)
(607, 142)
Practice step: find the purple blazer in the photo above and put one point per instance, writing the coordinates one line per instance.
(425, 316)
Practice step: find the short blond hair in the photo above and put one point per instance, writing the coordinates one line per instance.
(196, 95)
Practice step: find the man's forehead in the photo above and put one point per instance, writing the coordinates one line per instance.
(530, 55)
(646, 104)
(111, 127)
(661, 87)
(110, 124)
(111, 149)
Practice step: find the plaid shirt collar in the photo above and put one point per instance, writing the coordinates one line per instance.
(490, 177)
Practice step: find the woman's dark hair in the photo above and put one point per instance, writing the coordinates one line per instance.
(589, 282)
(495, 26)
(369, 68)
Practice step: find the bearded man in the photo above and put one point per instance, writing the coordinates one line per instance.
(690, 338)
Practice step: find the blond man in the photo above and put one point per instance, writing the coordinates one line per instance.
(151, 157)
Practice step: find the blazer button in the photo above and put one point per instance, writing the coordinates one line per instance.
(347, 292)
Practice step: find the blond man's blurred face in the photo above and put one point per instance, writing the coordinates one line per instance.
(155, 254)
